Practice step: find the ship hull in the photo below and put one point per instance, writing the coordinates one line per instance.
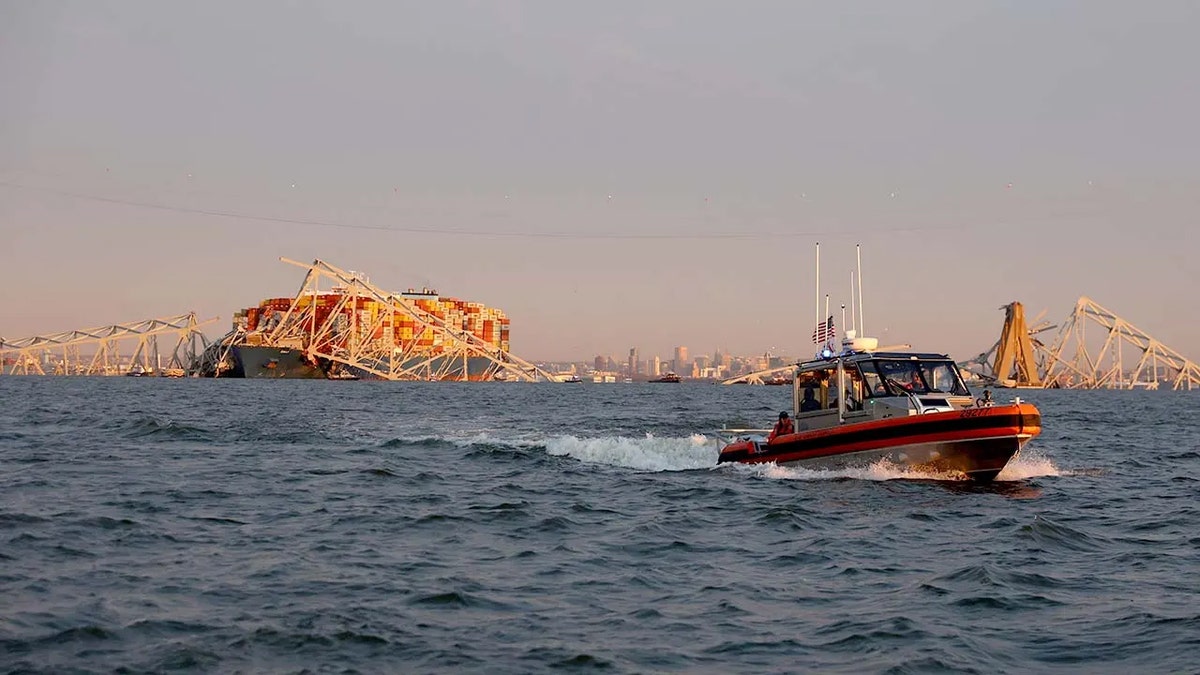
(257, 362)
(446, 368)
(272, 363)
(975, 443)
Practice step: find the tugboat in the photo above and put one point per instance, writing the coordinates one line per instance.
(671, 378)
(910, 409)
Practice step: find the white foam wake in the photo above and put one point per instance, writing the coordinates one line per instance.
(648, 454)
(879, 471)
(1028, 465)
(1021, 468)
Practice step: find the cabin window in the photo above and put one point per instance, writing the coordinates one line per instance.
(901, 377)
(855, 387)
(823, 384)
(919, 377)
(872, 384)
(942, 377)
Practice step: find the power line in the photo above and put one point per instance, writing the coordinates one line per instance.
(467, 232)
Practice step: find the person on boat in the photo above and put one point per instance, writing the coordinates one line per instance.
(783, 426)
(851, 402)
(810, 401)
(914, 382)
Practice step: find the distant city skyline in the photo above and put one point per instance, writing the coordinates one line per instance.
(608, 175)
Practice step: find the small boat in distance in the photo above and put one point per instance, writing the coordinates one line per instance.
(910, 409)
(669, 377)
(568, 377)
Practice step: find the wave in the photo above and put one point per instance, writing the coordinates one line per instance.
(141, 427)
(645, 454)
(1046, 533)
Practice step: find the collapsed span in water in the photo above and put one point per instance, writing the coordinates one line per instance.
(340, 326)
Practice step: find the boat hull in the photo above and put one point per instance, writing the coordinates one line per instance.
(976, 443)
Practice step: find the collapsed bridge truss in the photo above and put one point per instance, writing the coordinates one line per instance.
(1119, 356)
(98, 351)
(1127, 358)
(357, 342)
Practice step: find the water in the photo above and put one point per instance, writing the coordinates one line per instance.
(151, 525)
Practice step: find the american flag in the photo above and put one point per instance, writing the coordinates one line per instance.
(823, 332)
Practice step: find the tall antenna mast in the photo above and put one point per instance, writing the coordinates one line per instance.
(817, 304)
(852, 315)
(861, 326)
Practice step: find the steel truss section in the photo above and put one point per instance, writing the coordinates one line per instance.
(1013, 360)
(338, 338)
(761, 376)
(67, 353)
(1069, 363)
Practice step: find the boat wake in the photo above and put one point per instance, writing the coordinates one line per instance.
(1022, 468)
(1029, 465)
(648, 453)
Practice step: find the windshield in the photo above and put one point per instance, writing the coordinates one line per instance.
(918, 377)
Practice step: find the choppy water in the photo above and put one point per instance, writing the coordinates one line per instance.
(288, 526)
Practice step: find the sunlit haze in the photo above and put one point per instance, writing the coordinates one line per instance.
(611, 175)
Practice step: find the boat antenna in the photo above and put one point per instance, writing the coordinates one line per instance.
(817, 304)
(852, 315)
(858, 254)
(844, 316)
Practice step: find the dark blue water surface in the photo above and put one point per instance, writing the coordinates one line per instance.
(151, 525)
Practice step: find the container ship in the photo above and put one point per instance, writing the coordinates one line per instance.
(426, 343)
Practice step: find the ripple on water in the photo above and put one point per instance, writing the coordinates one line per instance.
(277, 526)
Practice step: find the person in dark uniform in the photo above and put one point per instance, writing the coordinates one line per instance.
(810, 401)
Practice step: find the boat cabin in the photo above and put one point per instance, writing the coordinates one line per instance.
(874, 386)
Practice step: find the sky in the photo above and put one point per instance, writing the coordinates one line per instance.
(611, 175)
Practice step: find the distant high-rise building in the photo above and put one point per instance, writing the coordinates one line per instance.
(633, 361)
(654, 367)
(680, 364)
(598, 363)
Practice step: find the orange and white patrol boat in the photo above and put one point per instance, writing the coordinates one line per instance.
(910, 409)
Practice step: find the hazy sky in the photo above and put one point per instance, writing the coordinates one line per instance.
(611, 174)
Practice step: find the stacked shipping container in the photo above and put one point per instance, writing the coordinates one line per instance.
(367, 320)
